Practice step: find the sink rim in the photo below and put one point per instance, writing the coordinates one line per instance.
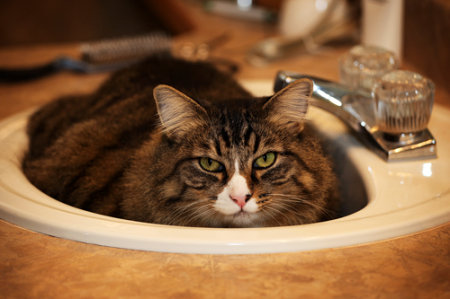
(28, 207)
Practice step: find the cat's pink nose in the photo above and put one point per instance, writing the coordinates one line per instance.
(240, 199)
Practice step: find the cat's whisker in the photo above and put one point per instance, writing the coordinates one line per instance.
(276, 214)
(296, 199)
(322, 209)
(275, 211)
(195, 213)
(202, 212)
(181, 211)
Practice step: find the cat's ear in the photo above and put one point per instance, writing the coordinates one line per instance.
(178, 113)
(288, 107)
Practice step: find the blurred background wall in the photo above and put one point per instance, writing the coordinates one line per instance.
(426, 37)
(25, 22)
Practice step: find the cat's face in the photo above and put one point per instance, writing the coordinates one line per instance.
(242, 163)
(256, 179)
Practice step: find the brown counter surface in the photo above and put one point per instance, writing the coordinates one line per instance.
(34, 265)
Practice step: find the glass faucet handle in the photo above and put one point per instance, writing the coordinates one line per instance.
(403, 102)
(362, 66)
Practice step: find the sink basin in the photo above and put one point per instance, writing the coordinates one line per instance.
(380, 200)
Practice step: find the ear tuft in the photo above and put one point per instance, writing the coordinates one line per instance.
(288, 106)
(178, 113)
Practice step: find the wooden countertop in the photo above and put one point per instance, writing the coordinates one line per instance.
(35, 265)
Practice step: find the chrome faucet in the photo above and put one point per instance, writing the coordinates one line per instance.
(395, 131)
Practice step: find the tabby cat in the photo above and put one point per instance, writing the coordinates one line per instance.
(175, 142)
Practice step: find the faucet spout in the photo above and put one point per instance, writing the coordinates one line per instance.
(357, 109)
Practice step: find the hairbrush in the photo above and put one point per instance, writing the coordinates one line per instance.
(100, 56)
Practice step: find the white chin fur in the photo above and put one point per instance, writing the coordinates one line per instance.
(244, 219)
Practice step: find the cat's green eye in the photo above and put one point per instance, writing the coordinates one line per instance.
(265, 160)
(211, 165)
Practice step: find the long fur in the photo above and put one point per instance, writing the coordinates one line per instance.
(131, 150)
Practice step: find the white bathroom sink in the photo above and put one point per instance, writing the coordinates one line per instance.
(384, 200)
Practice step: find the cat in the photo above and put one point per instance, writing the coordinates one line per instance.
(174, 142)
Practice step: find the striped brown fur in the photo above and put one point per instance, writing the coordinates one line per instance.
(132, 149)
